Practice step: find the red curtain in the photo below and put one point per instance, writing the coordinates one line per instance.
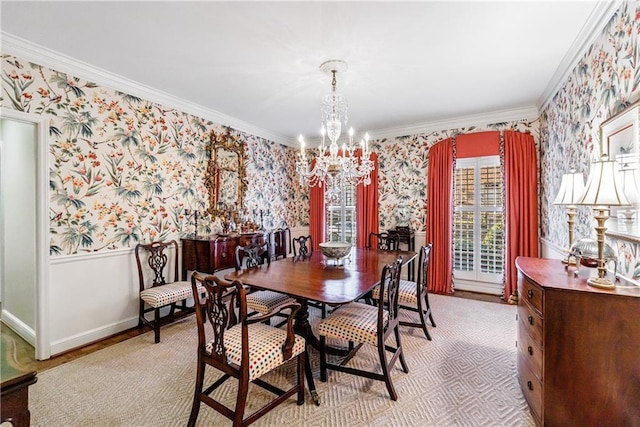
(521, 188)
(317, 221)
(367, 206)
(478, 144)
(439, 215)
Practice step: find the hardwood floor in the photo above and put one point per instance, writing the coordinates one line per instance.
(25, 355)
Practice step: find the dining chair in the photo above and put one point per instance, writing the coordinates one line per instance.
(241, 347)
(281, 243)
(305, 246)
(361, 323)
(302, 245)
(414, 296)
(383, 241)
(253, 255)
(159, 284)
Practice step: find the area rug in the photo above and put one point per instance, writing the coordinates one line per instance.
(465, 376)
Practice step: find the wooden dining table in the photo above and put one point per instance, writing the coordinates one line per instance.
(315, 277)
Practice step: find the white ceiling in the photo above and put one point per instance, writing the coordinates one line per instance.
(410, 63)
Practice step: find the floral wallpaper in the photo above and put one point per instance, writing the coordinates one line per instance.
(125, 170)
(604, 82)
(403, 171)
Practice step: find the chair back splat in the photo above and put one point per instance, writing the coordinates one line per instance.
(302, 245)
(229, 352)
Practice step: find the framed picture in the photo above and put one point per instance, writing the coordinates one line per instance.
(619, 136)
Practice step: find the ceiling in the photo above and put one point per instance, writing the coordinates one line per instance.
(257, 63)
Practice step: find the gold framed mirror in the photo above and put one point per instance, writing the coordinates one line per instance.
(225, 177)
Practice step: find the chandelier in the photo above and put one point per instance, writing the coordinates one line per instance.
(334, 165)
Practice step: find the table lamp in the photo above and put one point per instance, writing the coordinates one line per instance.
(602, 191)
(571, 189)
(630, 181)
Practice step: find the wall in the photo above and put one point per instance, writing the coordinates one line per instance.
(18, 220)
(604, 81)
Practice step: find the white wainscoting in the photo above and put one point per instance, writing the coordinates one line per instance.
(92, 296)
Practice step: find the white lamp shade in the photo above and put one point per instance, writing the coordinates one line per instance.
(571, 189)
(603, 187)
(630, 184)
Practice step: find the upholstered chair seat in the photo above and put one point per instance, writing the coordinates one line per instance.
(168, 294)
(265, 347)
(265, 301)
(355, 321)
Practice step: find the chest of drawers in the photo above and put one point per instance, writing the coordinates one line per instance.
(578, 357)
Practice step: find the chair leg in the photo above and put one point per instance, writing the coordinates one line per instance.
(241, 401)
(141, 314)
(423, 321)
(323, 359)
(195, 407)
(156, 325)
(301, 373)
(405, 368)
(385, 371)
(426, 300)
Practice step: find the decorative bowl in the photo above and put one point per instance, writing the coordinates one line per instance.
(586, 250)
(335, 250)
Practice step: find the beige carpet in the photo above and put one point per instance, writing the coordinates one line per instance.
(466, 376)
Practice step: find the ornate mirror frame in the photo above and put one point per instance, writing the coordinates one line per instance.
(220, 144)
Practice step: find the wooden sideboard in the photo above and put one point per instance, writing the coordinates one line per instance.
(578, 347)
(212, 253)
(209, 254)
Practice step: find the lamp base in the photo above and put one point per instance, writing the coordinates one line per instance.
(601, 282)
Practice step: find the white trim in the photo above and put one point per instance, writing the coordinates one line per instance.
(21, 328)
(525, 113)
(40, 55)
(592, 29)
(65, 259)
(42, 344)
(477, 286)
(94, 335)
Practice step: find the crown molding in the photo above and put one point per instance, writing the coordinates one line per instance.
(591, 30)
(40, 55)
(530, 112)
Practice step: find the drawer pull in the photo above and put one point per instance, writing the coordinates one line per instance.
(530, 385)
(530, 351)
(530, 293)
(530, 320)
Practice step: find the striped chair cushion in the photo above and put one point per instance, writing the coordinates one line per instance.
(265, 347)
(159, 296)
(406, 294)
(353, 322)
(265, 301)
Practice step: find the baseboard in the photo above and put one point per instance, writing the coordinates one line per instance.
(480, 287)
(81, 340)
(19, 327)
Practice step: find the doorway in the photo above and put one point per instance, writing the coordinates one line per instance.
(24, 259)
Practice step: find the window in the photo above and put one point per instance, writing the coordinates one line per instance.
(341, 215)
(478, 221)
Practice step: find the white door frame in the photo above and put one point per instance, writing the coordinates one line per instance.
(43, 344)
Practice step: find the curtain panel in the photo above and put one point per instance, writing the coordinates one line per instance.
(521, 189)
(367, 207)
(317, 215)
(439, 216)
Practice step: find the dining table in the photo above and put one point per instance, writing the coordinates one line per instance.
(314, 277)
